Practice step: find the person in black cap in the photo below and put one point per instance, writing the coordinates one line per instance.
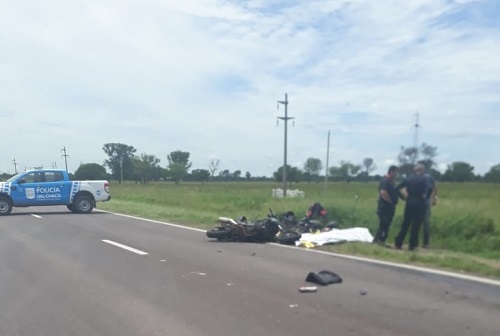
(387, 201)
(416, 188)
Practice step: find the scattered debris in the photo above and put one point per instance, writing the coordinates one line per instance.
(323, 278)
(163, 260)
(362, 292)
(294, 305)
(253, 253)
(230, 284)
(219, 251)
(308, 289)
(199, 273)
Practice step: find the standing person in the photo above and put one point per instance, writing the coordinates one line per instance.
(416, 188)
(430, 201)
(387, 201)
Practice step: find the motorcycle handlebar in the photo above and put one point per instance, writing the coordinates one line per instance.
(271, 212)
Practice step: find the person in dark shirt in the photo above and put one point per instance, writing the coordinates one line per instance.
(387, 201)
(416, 189)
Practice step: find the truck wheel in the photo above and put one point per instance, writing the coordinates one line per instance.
(71, 207)
(83, 204)
(5, 206)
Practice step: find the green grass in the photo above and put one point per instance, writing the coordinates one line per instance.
(465, 227)
(441, 259)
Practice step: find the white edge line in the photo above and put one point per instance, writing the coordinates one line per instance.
(397, 265)
(344, 256)
(36, 216)
(125, 247)
(154, 221)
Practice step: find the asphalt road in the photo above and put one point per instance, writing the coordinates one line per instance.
(64, 274)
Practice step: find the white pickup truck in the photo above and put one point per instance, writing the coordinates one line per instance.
(51, 187)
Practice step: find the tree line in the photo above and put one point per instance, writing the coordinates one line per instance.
(125, 164)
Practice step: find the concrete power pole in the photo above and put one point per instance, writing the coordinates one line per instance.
(285, 118)
(15, 165)
(121, 169)
(65, 156)
(415, 135)
(327, 158)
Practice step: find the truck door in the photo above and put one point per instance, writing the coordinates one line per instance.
(52, 189)
(42, 188)
(23, 189)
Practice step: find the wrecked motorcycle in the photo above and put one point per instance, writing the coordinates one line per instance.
(265, 230)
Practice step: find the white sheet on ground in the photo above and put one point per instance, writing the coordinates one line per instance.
(335, 236)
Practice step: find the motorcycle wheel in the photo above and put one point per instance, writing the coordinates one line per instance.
(219, 234)
(289, 237)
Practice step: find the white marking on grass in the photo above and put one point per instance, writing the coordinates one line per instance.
(345, 256)
(125, 247)
(36, 216)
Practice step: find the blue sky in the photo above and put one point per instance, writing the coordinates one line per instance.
(204, 76)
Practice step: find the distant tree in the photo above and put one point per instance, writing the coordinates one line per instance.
(200, 175)
(178, 165)
(436, 174)
(5, 176)
(91, 171)
(293, 174)
(225, 174)
(248, 175)
(120, 159)
(493, 175)
(176, 172)
(237, 174)
(214, 165)
(459, 172)
(369, 165)
(426, 156)
(349, 170)
(312, 167)
(408, 157)
(335, 173)
(146, 168)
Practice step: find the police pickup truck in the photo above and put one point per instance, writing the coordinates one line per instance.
(51, 187)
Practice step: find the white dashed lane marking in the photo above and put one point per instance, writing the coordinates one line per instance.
(125, 247)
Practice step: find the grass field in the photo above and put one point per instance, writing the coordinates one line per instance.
(465, 225)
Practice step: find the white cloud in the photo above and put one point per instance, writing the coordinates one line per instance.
(204, 76)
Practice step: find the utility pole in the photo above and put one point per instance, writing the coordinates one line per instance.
(327, 158)
(15, 165)
(415, 135)
(63, 151)
(285, 118)
(121, 169)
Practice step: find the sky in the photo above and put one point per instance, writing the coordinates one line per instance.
(204, 76)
